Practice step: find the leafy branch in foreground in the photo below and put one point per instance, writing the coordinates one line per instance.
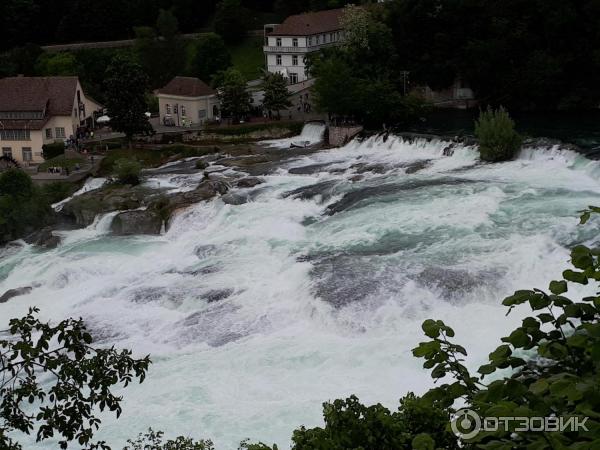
(52, 379)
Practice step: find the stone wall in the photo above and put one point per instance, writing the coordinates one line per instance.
(339, 136)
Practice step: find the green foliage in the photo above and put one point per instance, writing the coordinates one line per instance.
(58, 190)
(53, 150)
(230, 20)
(247, 56)
(53, 380)
(233, 95)
(498, 140)
(127, 171)
(209, 56)
(57, 64)
(276, 93)
(125, 97)
(23, 207)
(350, 424)
(153, 440)
(360, 79)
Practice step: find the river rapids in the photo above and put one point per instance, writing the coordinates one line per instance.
(316, 288)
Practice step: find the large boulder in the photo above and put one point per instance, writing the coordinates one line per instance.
(249, 182)
(137, 222)
(43, 238)
(84, 208)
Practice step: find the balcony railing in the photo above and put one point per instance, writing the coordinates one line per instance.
(280, 49)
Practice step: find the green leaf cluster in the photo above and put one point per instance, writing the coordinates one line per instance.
(498, 140)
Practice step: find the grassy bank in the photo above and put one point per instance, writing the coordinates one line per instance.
(248, 57)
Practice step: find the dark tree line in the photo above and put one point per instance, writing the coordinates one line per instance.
(524, 54)
(57, 21)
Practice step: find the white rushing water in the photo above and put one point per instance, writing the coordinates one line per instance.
(255, 314)
(312, 133)
(90, 184)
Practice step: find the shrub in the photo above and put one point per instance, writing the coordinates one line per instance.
(498, 140)
(127, 171)
(58, 190)
(154, 440)
(22, 206)
(53, 150)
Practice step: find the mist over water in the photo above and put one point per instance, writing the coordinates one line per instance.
(316, 289)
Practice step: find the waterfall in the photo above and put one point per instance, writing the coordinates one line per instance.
(255, 314)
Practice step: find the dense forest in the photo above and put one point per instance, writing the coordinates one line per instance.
(57, 21)
(523, 54)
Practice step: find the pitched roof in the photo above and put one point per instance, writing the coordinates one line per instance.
(310, 23)
(186, 87)
(35, 93)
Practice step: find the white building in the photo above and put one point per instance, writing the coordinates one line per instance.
(187, 101)
(40, 110)
(287, 44)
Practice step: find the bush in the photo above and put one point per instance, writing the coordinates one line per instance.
(127, 171)
(498, 140)
(58, 190)
(53, 150)
(23, 207)
(154, 440)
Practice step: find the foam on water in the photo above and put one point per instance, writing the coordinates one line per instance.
(255, 314)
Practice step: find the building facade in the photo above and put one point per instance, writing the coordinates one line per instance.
(187, 101)
(40, 110)
(287, 45)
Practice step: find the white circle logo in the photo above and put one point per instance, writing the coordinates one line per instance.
(466, 424)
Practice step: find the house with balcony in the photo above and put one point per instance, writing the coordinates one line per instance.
(40, 110)
(287, 44)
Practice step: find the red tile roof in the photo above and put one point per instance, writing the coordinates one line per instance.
(310, 23)
(35, 93)
(186, 87)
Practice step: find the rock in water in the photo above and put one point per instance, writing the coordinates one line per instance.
(43, 238)
(136, 222)
(15, 293)
(249, 182)
(234, 199)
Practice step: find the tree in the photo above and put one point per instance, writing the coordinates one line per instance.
(125, 87)
(230, 20)
(276, 93)
(210, 55)
(53, 379)
(127, 171)
(498, 140)
(57, 64)
(22, 206)
(233, 95)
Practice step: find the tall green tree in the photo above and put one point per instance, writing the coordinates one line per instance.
(52, 380)
(231, 20)
(277, 96)
(125, 88)
(498, 139)
(233, 95)
(210, 55)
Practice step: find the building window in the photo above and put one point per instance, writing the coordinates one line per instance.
(14, 135)
(318, 39)
(278, 42)
(295, 42)
(183, 110)
(60, 132)
(27, 156)
(278, 60)
(201, 114)
(309, 41)
(48, 133)
(295, 60)
(7, 151)
(168, 108)
(293, 78)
